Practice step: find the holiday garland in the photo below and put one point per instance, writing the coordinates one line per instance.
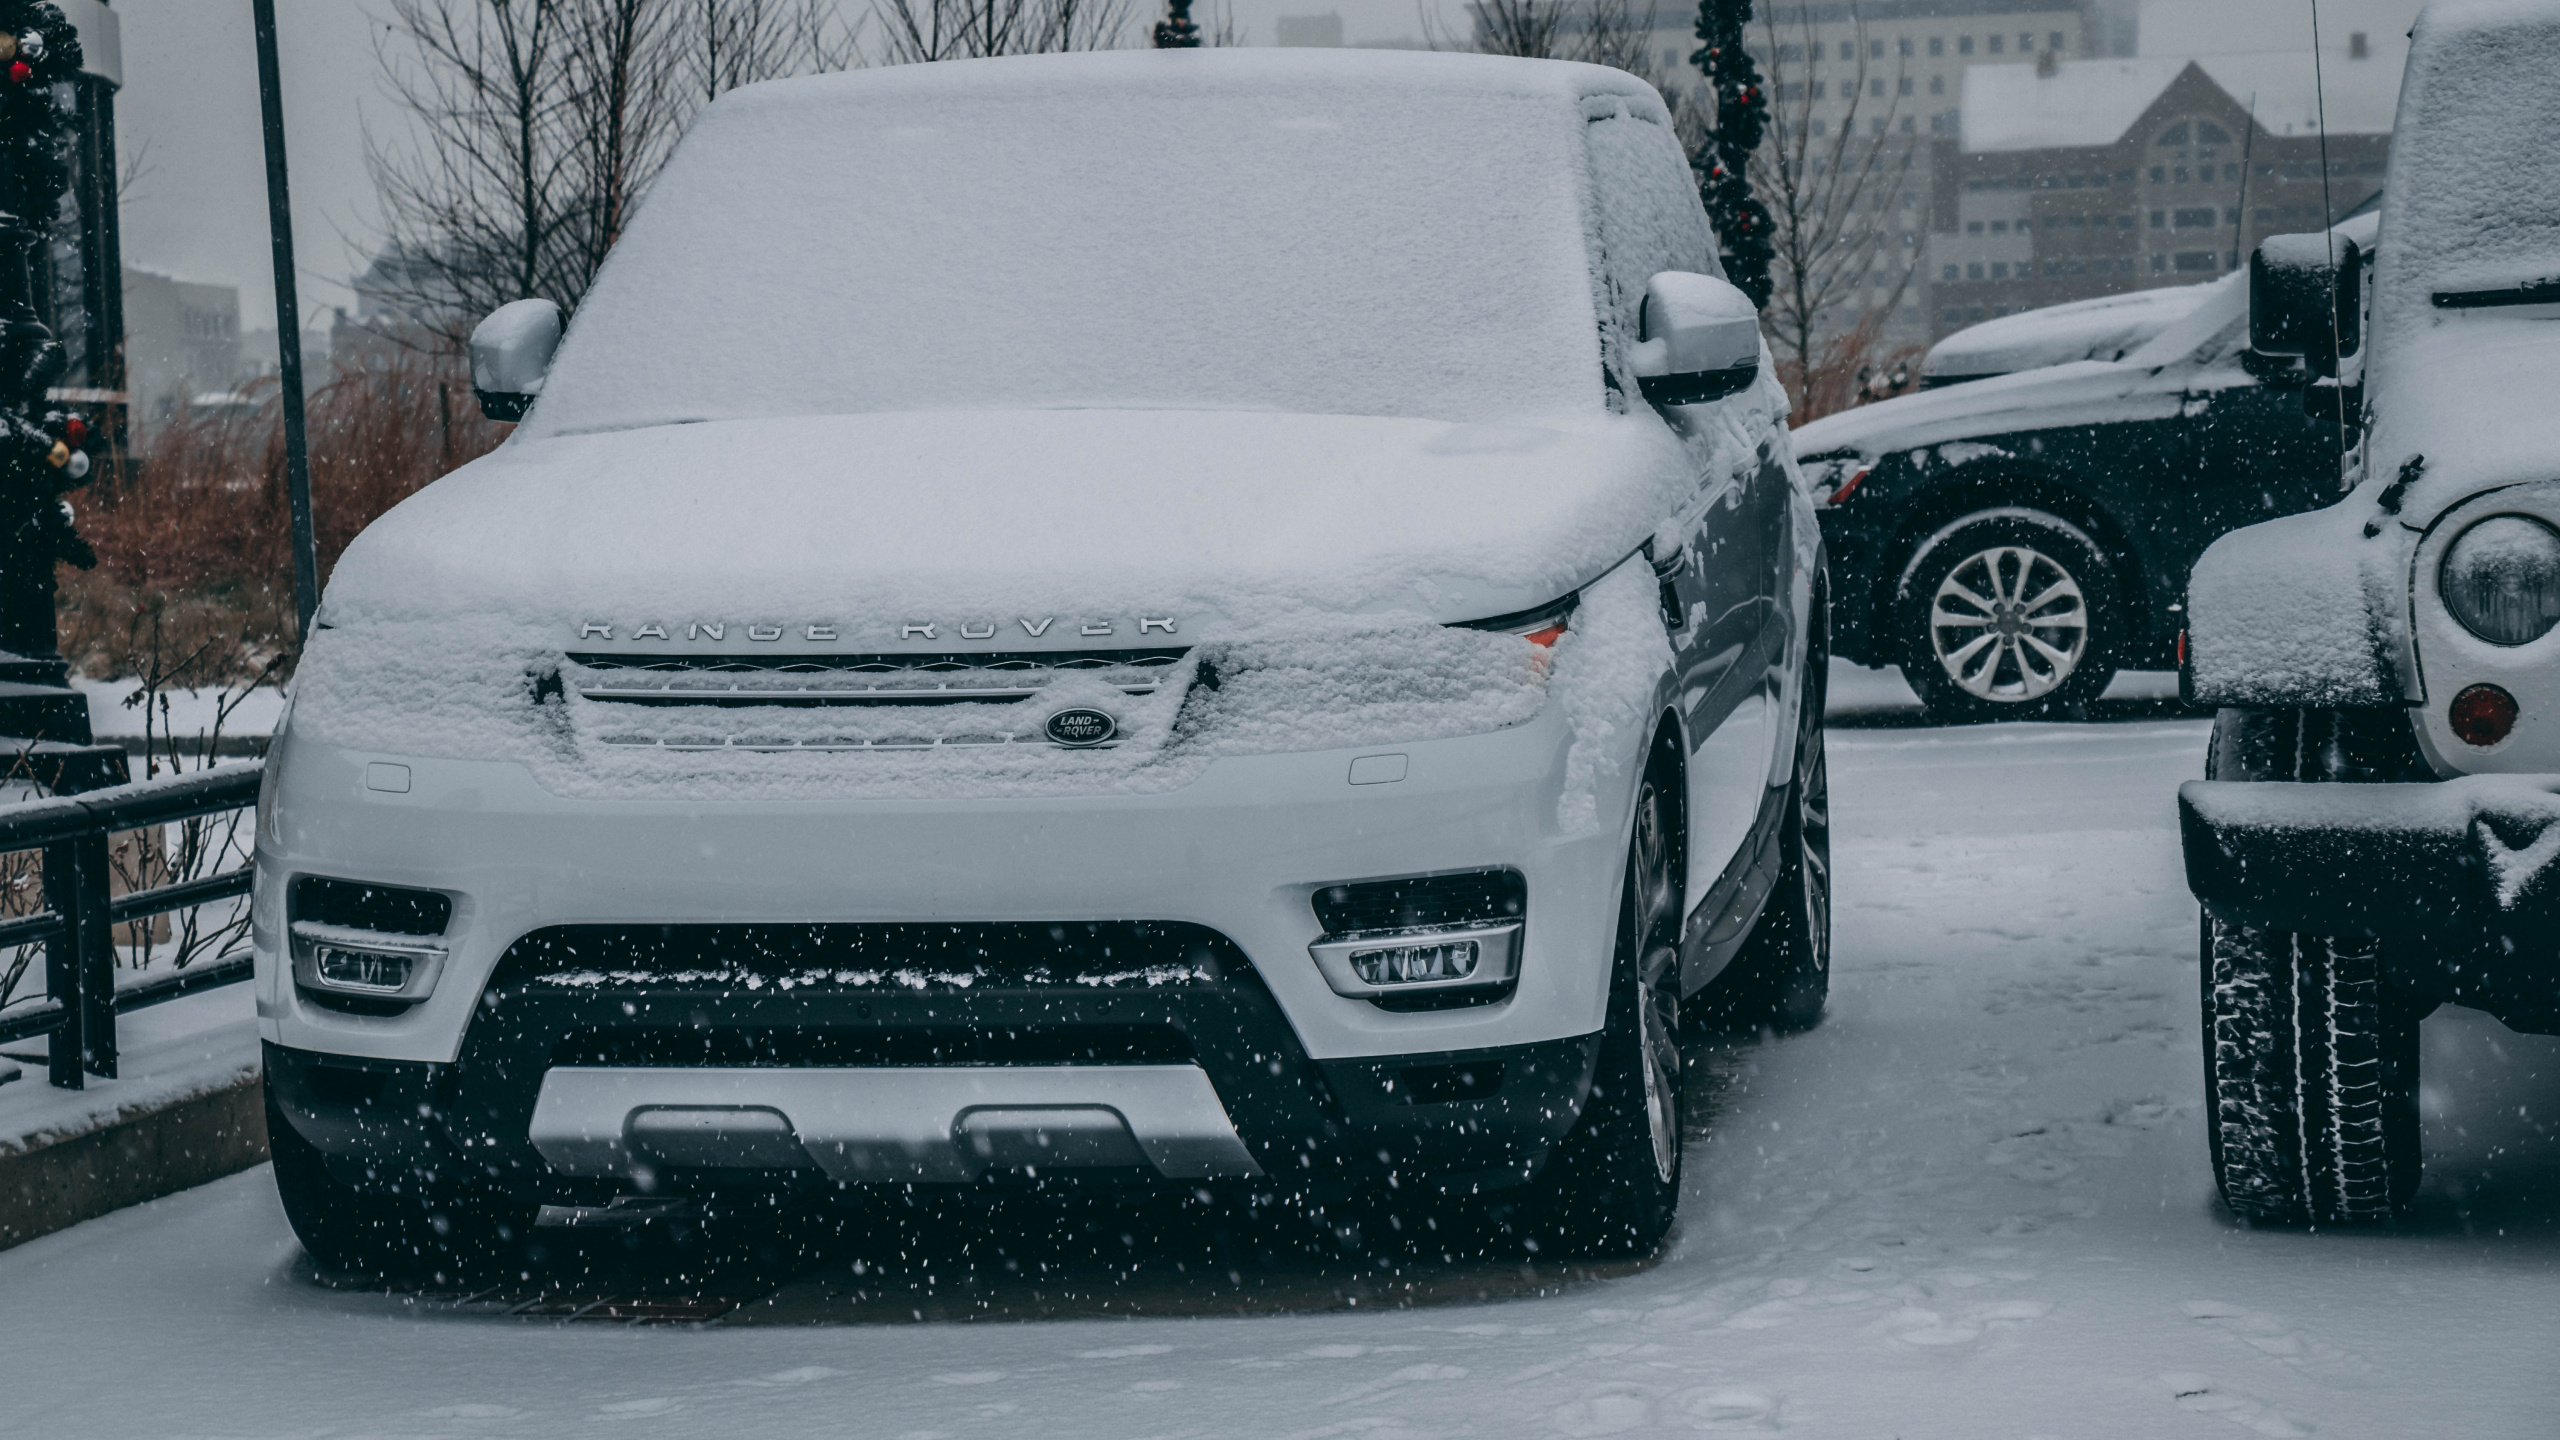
(1723, 163)
(40, 447)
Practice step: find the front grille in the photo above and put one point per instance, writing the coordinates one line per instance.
(800, 1045)
(1091, 957)
(817, 680)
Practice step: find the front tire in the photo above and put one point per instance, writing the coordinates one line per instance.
(2009, 614)
(2310, 1057)
(1611, 1187)
(1781, 980)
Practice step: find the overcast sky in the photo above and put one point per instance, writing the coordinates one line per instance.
(189, 111)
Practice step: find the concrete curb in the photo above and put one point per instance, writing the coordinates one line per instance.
(141, 1157)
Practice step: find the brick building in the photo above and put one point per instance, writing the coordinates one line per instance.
(2072, 179)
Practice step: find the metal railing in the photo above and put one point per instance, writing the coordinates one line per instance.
(78, 924)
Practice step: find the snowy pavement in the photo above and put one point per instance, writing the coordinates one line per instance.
(1974, 1202)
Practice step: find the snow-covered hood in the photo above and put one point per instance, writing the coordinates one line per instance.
(847, 532)
(2467, 391)
(2084, 393)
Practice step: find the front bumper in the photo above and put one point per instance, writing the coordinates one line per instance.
(2461, 879)
(561, 909)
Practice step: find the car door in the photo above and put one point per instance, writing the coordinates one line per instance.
(1720, 583)
(2254, 450)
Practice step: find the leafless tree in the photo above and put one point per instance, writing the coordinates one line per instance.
(536, 126)
(1616, 33)
(914, 31)
(1834, 196)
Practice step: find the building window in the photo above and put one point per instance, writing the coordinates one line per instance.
(2053, 40)
(2173, 137)
(1973, 271)
(2188, 260)
(1820, 89)
(2159, 175)
(2053, 222)
(2208, 133)
(2124, 222)
(1973, 227)
(2265, 215)
(1951, 315)
(1905, 86)
(2231, 173)
(2357, 48)
(1876, 127)
(1910, 124)
(2178, 173)
(1993, 43)
(1964, 44)
(2079, 222)
(2159, 218)
(1949, 272)
(1791, 54)
(1848, 51)
(1937, 45)
(2230, 214)
(1903, 43)
(1937, 84)
(2159, 262)
(1875, 86)
(2027, 41)
(1875, 49)
(2192, 218)
(1998, 227)
(1820, 127)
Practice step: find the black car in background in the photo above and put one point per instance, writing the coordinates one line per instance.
(2013, 542)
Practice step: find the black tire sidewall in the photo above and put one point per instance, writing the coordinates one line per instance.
(2066, 544)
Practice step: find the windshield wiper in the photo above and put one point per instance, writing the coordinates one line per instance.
(2531, 292)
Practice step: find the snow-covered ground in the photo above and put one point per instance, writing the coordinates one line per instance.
(1972, 1203)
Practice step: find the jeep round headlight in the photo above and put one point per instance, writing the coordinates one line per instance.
(2501, 579)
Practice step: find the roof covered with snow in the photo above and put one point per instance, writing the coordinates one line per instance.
(2093, 102)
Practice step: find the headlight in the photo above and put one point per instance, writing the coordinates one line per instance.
(2501, 579)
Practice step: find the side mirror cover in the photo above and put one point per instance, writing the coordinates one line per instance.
(510, 355)
(1699, 340)
(2305, 298)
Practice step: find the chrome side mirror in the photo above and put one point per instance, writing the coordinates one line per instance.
(510, 355)
(1699, 340)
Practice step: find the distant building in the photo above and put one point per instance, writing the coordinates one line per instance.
(2074, 179)
(182, 341)
(391, 322)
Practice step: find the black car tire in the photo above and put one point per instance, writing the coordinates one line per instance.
(1611, 1187)
(2310, 1056)
(443, 1232)
(2024, 566)
(1782, 978)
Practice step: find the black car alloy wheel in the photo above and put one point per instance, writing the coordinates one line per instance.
(2008, 613)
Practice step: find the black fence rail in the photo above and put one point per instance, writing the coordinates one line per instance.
(77, 925)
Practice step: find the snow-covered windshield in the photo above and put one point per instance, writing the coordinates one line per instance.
(1400, 236)
(2474, 199)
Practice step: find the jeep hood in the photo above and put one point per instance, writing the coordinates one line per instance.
(865, 524)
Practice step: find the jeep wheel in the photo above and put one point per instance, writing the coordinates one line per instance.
(2310, 1057)
(2311, 1077)
(2008, 614)
(1612, 1185)
(444, 1232)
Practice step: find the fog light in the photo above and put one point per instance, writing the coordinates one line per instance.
(331, 961)
(1421, 958)
(1406, 964)
(2482, 715)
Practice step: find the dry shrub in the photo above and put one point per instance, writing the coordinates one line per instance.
(1839, 377)
(194, 583)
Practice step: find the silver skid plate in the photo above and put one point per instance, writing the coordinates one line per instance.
(946, 1124)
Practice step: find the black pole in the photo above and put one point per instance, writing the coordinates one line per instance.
(297, 453)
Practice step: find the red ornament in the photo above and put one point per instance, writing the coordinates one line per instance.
(76, 430)
(20, 72)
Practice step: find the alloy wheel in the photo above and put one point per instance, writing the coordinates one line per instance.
(1656, 916)
(2009, 624)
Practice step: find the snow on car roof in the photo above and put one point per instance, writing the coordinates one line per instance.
(2103, 328)
(1317, 232)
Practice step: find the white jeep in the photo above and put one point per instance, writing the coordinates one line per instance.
(2401, 641)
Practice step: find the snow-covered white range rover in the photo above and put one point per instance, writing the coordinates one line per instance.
(2402, 640)
(1238, 617)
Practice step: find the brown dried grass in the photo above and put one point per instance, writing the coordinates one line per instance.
(194, 581)
(1832, 383)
